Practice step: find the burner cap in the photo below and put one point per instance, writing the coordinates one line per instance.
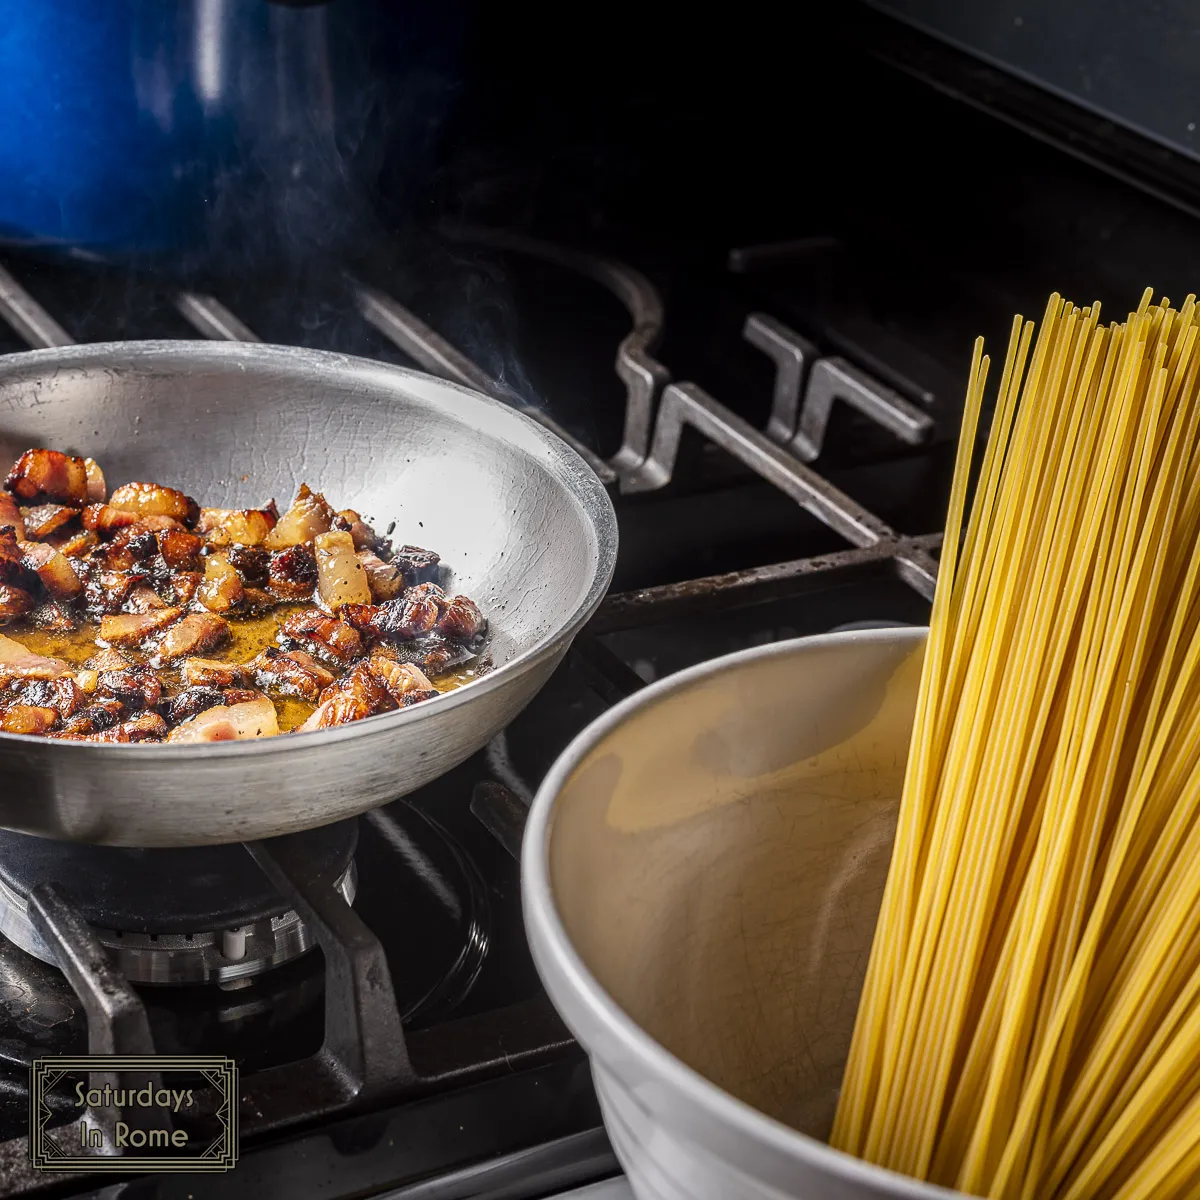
(200, 914)
(163, 891)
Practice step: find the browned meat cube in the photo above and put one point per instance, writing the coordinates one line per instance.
(341, 579)
(143, 599)
(191, 702)
(10, 516)
(63, 695)
(425, 591)
(292, 674)
(211, 673)
(365, 538)
(252, 563)
(385, 580)
(147, 727)
(13, 569)
(154, 500)
(105, 520)
(439, 659)
(446, 658)
(97, 488)
(16, 662)
(293, 573)
(53, 569)
(222, 589)
(256, 600)
(74, 544)
(140, 544)
(237, 526)
(41, 476)
(131, 629)
(309, 515)
(400, 679)
(46, 519)
(419, 566)
(359, 693)
(27, 718)
(195, 634)
(108, 660)
(15, 603)
(156, 523)
(180, 550)
(368, 619)
(461, 619)
(135, 687)
(52, 615)
(235, 696)
(77, 729)
(402, 619)
(103, 712)
(322, 635)
(183, 585)
(106, 591)
(227, 723)
(113, 556)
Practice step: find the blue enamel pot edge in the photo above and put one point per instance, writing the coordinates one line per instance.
(137, 127)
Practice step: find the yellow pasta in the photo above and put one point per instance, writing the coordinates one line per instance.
(1030, 1023)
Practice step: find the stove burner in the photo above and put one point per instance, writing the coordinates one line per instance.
(204, 914)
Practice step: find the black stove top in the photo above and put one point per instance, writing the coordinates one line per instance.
(755, 322)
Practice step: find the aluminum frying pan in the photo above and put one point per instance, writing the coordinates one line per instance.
(524, 526)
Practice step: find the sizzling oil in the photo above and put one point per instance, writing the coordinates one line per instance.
(249, 636)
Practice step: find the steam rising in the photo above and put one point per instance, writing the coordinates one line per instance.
(334, 154)
(296, 149)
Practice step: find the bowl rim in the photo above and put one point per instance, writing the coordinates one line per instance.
(562, 969)
(387, 381)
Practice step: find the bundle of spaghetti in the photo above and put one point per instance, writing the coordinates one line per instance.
(1030, 1021)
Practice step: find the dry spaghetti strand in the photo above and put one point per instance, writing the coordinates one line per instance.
(1030, 1024)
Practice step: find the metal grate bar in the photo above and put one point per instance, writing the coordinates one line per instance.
(792, 356)
(429, 349)
(364, 1048)
(28, 319)
(746, 260)
(116, 1017)
(757, 585)
(801, 424)
(637, 368)
(917, 567)
(835, 379)
(421, 343)
(211, 318)
(117, 1021)
(501, 812)
(685, 404)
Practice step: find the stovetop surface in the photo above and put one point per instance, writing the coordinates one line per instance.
(878, 240)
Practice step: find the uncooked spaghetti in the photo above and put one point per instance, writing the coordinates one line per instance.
(1030, 1023)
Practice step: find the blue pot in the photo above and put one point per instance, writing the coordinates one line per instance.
(186, 128)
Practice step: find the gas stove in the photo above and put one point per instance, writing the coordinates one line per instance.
(264, 952)
(772, 397)
(171, 917)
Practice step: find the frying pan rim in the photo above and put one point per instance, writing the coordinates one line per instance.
(569, 470)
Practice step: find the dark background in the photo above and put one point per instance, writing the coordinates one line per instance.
(1129, 59)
